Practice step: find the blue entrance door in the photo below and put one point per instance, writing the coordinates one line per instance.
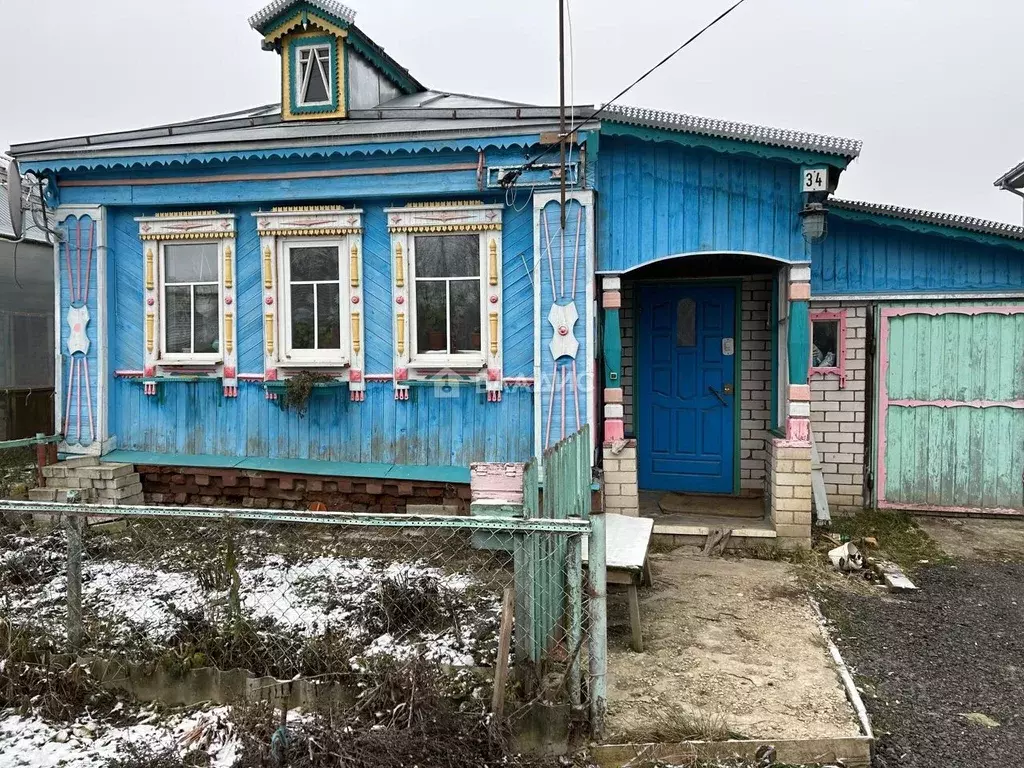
(686, 401)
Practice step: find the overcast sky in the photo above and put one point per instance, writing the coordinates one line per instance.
(932, 87)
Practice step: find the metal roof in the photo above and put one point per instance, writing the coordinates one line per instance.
(756, 134)
(277, 7)
(954, 221)
(1012, 178)
(30, 232)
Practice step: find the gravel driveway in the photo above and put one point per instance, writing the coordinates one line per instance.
(927, 660)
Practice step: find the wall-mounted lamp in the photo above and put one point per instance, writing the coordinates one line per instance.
(814, 218)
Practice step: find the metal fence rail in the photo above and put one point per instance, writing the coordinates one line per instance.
(318, 595)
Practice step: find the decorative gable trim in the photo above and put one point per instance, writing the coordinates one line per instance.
(302, 20)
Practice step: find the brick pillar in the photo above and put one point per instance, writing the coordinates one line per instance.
(621, 495)
(611, 302)
(790, 489)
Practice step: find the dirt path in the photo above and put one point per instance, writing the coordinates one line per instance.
(731, 648)
(975, 539)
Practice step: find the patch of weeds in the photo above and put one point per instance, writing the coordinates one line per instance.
(17, 468)
(142, 755)
(897, 534)
(299, 388)
(409, 602)
(404, 717)
(675, 724)
(260, 646)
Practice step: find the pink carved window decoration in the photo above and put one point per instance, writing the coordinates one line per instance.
(828, 344)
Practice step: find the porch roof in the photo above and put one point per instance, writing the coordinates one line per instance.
(948, 221)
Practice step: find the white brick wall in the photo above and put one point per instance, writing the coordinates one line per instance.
(838, 415)
(755, 374)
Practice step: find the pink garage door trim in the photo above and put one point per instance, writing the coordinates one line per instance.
(884, 402)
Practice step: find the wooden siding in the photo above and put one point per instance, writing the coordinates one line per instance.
(428, 429)
(194, 418)
(952, 408)
(864, 258)
(661, 199)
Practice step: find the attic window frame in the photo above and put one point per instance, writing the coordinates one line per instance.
(312, 44)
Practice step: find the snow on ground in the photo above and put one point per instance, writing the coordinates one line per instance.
(30, 741)
(124, 601)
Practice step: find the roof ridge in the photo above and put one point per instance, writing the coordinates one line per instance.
(277, 7)
(953, 220)
(708, 126)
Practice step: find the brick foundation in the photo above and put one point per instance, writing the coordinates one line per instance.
(621, 495)
(205, 486)
(789, 489)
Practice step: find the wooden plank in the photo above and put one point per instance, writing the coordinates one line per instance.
(634, 619)
(627, 541)
(851, 751)
(504, 643)
(818, 494)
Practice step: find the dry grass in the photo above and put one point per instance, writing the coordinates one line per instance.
(675, 724)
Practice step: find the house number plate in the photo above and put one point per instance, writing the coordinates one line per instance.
(728, 346)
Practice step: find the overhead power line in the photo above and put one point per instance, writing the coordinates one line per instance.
(513, 175)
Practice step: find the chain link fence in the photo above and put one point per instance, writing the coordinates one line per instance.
(186, 605)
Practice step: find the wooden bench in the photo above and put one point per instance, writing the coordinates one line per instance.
(627, 540)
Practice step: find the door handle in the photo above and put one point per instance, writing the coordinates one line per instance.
(717, 394)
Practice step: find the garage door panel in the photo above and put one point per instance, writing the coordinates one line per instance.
(951, 410)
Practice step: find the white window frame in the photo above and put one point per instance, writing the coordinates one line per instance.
(180, 358)
(475, 359)
(302, 78)
(306, 357)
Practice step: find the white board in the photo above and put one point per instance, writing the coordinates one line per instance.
(626, 541)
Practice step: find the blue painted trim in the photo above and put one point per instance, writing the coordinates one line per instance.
(799, 341)
(612, 349)
(926, 229)
(774, 309)
(322, 152)
(731, 146)
(293, 87)
(459, 475)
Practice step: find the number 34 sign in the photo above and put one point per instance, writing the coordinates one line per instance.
(815, 179)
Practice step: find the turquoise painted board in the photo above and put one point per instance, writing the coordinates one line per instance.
(952, 408)
(430, 429)
(661, 199)
(860, 257)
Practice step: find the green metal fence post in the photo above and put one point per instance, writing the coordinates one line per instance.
(574, 577)
(597, 584)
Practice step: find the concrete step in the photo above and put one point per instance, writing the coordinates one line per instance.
(76, 481)
(81, 461)
(86, 495)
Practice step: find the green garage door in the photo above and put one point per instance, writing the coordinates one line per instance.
(951, 408)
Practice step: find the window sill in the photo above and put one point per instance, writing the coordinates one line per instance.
(312, 364)
(190, 363)
(454, 364)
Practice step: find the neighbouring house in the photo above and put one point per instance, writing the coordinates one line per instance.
(26, 322)
(352, 295)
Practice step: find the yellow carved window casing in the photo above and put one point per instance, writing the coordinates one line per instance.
(399, 266)
(492, 253)
(229, 331)
(494, 333)
(400, 320)
(355, 332)
(229, 277)
(149, 269)
(354, 265)
(268, 323)
(268, 278)
(150, 323)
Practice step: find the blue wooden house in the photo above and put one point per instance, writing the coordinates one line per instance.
(404, 255)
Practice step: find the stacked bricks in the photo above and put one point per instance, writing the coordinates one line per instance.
(789, 487)
(755, 383)
(755, 375)
(108, 483)
(838, 416)
(211, 487)
(620, 484)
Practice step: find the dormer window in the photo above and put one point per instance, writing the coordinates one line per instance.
(315, 83)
